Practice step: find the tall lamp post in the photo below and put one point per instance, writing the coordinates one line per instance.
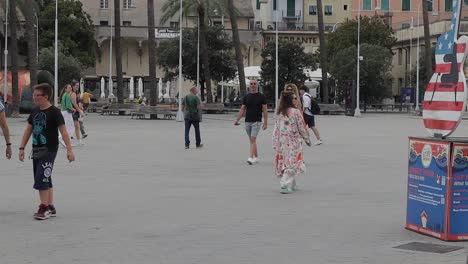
(417, 66)
(357, 111)
(180, 114)
(5, 73)
(276, 64)
(56, 56)
(37, 35)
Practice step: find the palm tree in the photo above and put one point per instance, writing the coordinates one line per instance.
(202, 8)
(236, 41)
(427, 40)
(14, 57)
(118, 52)
(152, 54)
(30, 11)
(323, 52)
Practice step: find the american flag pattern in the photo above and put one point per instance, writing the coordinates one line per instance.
(444, 99)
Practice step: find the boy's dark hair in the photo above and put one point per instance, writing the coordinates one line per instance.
(45, 89)
(304, 88)
(74, 82)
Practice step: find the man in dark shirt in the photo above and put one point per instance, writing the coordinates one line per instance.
(44, 124)
(253, 105)
(6, 132)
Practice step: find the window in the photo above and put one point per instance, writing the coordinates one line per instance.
(174, 25)
(400, 56)
(258, 4)
(345, 7)
(367, 5)
(448, 5)
(405, 5)
(328, 10)
(291, 8)
(385, 5)
(127, 4)
(313, 10)
(103, 23)
(104, 4)
(430, 5)
(126, 23)
(405, 25)
(274, 4)
(217, 23)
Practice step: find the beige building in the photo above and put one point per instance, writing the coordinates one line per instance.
(334, 12)
(134, 42)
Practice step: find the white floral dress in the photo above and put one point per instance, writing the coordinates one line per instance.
(288, 134)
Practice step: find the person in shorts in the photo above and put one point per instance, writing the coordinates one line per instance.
(78, 112)
(253, 106)
(44, 124)
(309, 118)
(5, 130)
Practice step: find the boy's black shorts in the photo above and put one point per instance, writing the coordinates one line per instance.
(310, 120)
(43, 171)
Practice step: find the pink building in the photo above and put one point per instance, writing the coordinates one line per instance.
(400, 12)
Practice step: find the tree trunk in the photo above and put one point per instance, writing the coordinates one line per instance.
(237, 47)
(427, 41)
(204, 54)
(118, 52)
(14, 58)
(32, 40)
(323, 52)
(152, 54)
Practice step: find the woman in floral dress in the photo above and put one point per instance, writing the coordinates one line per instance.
(288, 134)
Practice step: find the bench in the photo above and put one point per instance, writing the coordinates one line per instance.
(216, 108)
(153, 111)
(96, 106)
(118, 109)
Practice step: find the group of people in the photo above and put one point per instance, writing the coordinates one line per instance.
(44, 124)
(73, 106)
(293, 117)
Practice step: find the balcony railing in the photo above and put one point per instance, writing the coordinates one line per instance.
(298, 26)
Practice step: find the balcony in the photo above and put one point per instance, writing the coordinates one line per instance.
(297, 26)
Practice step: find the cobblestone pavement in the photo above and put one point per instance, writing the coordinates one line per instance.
(135, 195)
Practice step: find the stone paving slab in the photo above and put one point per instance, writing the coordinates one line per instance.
(135, 195)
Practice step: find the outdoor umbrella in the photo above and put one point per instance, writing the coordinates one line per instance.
(132, 89)
(103, 85)
(140, 87)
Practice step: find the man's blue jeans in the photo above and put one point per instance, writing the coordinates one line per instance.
(196, 125)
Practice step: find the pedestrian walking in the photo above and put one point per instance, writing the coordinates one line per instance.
(192, 111)
(78, 112)
(310, 107)
(44, 124)
(82, 115)
(253, 105)
(5, 130)
(86, 99)
(288, 133)
(67, 112)
(293, 88)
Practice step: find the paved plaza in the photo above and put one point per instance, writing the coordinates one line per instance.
(135, 195)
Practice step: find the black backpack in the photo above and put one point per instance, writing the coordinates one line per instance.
(314, 107)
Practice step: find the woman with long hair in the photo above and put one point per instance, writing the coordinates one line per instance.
(293, 88)
(288, 134)
(67, 111)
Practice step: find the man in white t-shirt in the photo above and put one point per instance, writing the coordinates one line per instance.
(308, 116)
(6, 132)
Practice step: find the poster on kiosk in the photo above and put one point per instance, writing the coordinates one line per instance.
(437, 189)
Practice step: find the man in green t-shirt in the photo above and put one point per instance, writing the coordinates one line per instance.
(192, 108)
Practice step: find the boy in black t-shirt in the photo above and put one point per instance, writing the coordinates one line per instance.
(43, 124)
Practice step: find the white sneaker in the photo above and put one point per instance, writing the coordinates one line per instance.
(250, 161)
(255, 160)
(81, 143)
(318, 142)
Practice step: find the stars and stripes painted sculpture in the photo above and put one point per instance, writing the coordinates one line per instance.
(445, 96)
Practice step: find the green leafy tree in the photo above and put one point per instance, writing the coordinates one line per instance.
(292, 60)
(221, 57)
(69, 67)
(203, 8)
(373, 31)
(375, 79)
(76, 30)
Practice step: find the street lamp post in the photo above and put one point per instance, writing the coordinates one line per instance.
(198, 53)
(5, 72)
(111, 84)
(180, 115)
(56, 56)
(222, 77)
(357, 111)
(417, 67)
(276, 65)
